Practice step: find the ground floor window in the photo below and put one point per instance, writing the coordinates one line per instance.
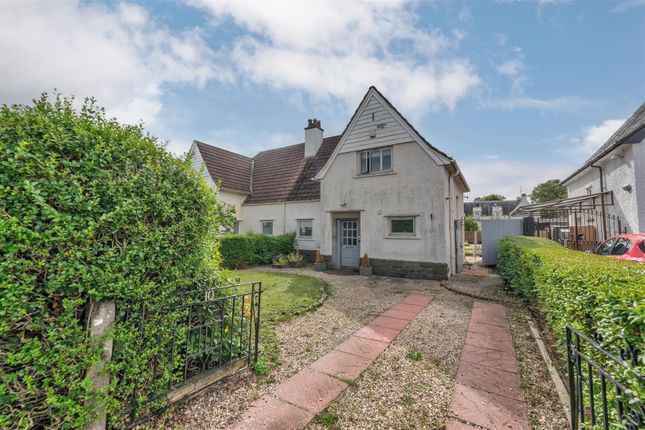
(402, 226)
(305, 228)
(267, 227)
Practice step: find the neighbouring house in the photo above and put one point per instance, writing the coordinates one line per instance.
(498, 209)
(615, 175)
(379, 188)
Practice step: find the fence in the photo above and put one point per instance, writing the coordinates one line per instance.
(604, 390)
(189, 340)
(578, 229)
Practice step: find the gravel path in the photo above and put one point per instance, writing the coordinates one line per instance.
(354, 301)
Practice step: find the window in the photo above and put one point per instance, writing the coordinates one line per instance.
(402, 226)
(376, 160)
(477, 212)
(267, 227)
(497, 212)
(641, 246)
(605, 248)
(622, 246)
(305, 228)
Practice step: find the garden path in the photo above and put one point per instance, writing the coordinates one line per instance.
(297, 400)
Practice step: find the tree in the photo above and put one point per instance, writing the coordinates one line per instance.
(470, 224)
(548, 191)
(490, 198)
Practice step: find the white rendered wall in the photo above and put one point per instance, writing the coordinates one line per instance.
(617, 172)
(416, 187)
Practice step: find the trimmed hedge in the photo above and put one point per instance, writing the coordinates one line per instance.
(587, 291)
(238, 250)
(90, 210)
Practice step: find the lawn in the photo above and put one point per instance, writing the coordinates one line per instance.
(284, 295)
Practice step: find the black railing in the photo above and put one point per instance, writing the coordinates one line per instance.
(184, 343)
(605, 391)
(578, 229)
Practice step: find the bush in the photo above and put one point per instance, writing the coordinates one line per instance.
(239, 250)
(90, 210)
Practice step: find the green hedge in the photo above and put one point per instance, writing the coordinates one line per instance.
(89, 210)
(238, 250)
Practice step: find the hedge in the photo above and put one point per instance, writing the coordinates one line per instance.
(238, 250)
(592, 293)
(90, 210)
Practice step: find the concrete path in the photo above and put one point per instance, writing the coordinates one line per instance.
(298, 399)
(487, 391)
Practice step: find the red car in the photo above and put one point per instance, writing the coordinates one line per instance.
(624, 246)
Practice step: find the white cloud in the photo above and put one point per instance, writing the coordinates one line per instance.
(594, 137)
(508, 177)
(120, 55)
(552, 105)
(627, 5)
(327, 51)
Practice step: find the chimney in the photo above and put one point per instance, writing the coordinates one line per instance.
(313, 137)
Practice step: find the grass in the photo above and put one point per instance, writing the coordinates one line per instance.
(326, 418)
(284, 295)
(414, 355)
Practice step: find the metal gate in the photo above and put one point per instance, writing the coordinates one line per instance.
(603, 388)
(191, 340)
(492, 231)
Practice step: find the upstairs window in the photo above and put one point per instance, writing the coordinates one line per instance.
(305, 228)
(376, 160)
(267, 228)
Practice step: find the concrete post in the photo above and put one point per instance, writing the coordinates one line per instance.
(101, 320)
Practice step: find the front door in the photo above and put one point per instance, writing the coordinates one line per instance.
(349, 256)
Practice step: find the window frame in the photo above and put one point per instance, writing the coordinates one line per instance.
(392, 233)
(365, 158)
(262, 226)
(620, 241)
(299, 225)
(610, 243)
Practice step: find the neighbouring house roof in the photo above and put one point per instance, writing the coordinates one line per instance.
(487, 207)
(634, 127)
(233, 170)
(277, 175)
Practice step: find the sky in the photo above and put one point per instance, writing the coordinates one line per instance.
(517, 92)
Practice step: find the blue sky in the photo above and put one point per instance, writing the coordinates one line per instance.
(518, 92)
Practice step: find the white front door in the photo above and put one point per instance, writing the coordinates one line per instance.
(349, 252)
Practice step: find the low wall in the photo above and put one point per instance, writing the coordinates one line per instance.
(410, 269)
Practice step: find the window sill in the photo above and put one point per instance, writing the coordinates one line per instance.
(369, 175)
(402, 237)
(305, 238)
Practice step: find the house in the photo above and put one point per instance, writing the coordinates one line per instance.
(498, 209)
(616, 174)
(379, 188)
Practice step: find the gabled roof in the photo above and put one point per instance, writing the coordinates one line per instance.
(439, 156)
(234, 170)
(285, 175)
(277, 175)
(635, 125)
(487, 207)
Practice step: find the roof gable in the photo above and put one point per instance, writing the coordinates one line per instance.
(376, 116)
(231, 169)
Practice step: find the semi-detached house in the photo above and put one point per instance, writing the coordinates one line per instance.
(379, 188)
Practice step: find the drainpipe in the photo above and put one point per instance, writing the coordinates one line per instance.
(602, 202)
(284, 218)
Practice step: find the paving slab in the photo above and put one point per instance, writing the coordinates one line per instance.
(310, 390)
(483, 340)
(393, 323)
(490, 358)
(270, 413)
(406, 307)
(417, 299)
(493, 380)
(455, 424)
(341, 364)
(382, 334)
(403, 315)
(363, 347)
(488, 410)
(491, 330)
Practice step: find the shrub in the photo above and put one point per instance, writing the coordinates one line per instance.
(238, 250)
(591, 293)
(90, 210)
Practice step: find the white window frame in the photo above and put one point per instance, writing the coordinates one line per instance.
(401, 218)
(368, 170)
(262, 226)
(299, 223)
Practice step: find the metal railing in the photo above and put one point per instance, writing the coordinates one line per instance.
(604, 390)
(187, 341)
